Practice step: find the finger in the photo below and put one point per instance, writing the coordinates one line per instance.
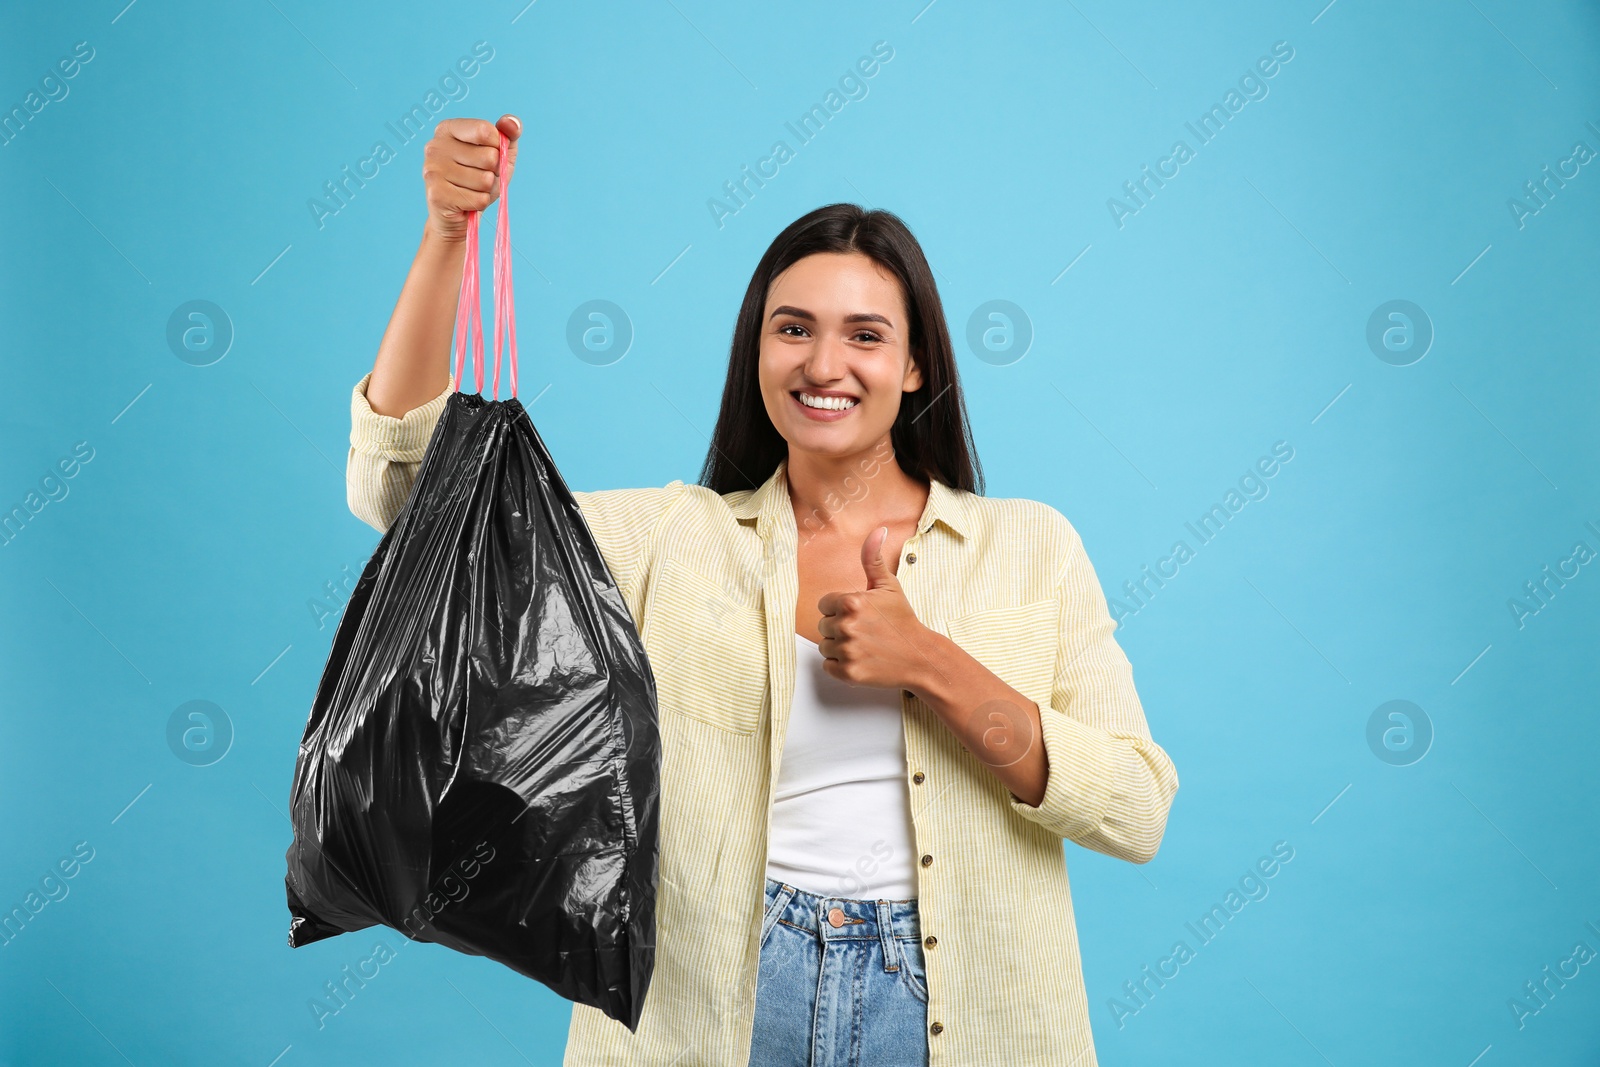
(458, 199)
(511, 126)
(464, 153)
(829, 604)
(465, 175)
(872, 561)
(471, 131)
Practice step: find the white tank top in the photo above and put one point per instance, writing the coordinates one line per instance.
(841, 818)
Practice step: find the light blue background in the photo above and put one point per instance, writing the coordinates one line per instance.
(1228, 314)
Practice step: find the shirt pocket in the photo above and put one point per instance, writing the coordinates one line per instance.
(708, 651)
(1019, 643)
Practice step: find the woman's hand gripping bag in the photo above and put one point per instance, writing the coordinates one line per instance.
(481, 765)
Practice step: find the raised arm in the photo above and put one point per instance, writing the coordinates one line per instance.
(393, 409)
(458, 177)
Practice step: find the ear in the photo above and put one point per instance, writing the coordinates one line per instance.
(913, 380)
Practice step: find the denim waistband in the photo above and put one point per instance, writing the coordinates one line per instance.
(858, 920)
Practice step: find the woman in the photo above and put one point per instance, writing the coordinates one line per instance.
(885, 700)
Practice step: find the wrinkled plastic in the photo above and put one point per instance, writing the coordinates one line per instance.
(481, 765)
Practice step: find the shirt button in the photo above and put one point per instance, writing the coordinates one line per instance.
(930, 941)
(927, 861)
(836, 917)
(918, 778)
(911, 557)
(936, 1029)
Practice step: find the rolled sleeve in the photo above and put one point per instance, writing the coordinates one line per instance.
(1109, 786)
(385, 453)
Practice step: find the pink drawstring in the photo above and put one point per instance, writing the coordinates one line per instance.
(467, 308)
(469, 317)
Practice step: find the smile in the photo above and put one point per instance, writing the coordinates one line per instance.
(824, 407)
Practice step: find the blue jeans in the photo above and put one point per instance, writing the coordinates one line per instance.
(841, 983)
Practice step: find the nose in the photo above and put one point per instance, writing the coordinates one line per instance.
(826, 361)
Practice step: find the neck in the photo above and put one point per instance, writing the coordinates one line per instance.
(852, 495)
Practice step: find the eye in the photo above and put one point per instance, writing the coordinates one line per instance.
(792, 326)
(868, 334)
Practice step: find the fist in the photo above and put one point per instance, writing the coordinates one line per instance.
(872, 636)
(459, 168)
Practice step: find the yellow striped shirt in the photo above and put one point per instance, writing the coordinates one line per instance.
(711, 582)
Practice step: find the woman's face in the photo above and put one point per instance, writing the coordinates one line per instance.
(835, 332)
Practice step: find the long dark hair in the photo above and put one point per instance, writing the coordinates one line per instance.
(931, 437)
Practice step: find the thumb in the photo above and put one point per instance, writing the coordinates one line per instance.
(872, 560)
(511, 127)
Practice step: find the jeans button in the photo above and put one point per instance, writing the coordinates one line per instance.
(836, 917)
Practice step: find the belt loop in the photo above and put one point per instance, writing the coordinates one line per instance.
(891, 947)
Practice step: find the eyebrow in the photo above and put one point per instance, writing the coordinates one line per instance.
(801, 313)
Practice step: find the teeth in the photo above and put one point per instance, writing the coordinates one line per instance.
(830, 403)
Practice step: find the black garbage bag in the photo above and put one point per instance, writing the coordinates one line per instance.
(482, 761)
(481, 765)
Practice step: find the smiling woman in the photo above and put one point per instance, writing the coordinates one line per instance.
(857, 656)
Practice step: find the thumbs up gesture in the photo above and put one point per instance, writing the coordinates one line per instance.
(872, 636)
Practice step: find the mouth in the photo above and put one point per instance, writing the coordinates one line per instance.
(822, 407)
